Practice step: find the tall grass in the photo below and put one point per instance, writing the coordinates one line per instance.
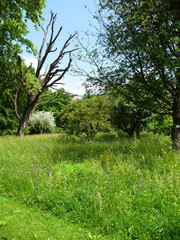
(115, 188)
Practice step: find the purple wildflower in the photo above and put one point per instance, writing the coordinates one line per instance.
(142, 184)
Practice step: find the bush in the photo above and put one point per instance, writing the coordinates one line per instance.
(88, 117)
(41, 122)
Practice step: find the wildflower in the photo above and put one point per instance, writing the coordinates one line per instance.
(48, 170)
(133, 190)
(142, 184)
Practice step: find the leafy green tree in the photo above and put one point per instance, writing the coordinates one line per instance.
(8, 120)
(6, 112)
(128, 116)
(14, 15)
(87, 117)
(142, 39)
(13, 25)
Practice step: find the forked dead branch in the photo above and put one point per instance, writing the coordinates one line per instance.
(50, 79)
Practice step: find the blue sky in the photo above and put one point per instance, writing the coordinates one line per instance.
(72, 15)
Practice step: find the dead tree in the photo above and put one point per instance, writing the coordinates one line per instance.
(49, 79)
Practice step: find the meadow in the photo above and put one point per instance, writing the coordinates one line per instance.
(54, 187)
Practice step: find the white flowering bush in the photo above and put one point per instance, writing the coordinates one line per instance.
(41, 122)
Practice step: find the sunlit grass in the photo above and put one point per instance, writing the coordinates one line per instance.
(114, 188)
(19, 221)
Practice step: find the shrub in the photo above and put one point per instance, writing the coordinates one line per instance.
(88, 117)
(41, 122)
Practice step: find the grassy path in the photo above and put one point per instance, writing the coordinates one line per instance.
(18, 221)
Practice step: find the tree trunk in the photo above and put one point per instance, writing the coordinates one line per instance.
(131, 133)
(176, 122)
(24, 120)
(137, 133)
(137, 129)
(174, 5)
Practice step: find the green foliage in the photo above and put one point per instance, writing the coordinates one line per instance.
(87, 117)
(21, 72)
(128, 116)
(41, 122)
(13, 25)
(106, 137)
(14, 15)
(115, 190)
(56, 105)
(8, 121)
(33, 84)
(161, 124)
(140, 40)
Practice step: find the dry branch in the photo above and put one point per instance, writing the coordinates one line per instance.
(49, 79)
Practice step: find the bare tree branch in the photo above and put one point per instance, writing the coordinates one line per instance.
(49, 94)
(50, 44)
(55, 97)
(49, 79)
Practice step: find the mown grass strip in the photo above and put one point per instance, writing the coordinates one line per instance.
(18, 221)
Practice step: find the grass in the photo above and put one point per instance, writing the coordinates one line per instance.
(111, 188)
(23, 222)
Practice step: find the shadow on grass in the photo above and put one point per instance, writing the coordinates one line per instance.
(144, 152)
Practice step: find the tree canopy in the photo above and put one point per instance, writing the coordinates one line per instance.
(14, 15)
(128, 116)
(142, 41)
